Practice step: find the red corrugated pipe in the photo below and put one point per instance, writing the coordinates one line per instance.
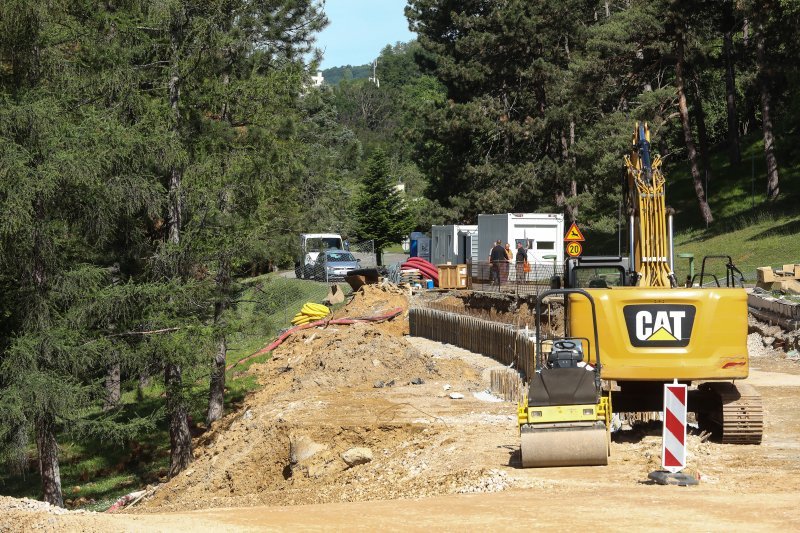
(324, 322)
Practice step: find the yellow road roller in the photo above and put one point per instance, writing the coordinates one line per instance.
(565, 419)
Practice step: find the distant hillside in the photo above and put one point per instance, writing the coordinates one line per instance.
(334, 75)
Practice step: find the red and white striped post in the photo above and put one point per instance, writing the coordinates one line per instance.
(673, 447)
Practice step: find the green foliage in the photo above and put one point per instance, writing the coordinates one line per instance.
(388, 117)
(331, 154)
(153, 153)
(146, 153)
(541, 96)
(70, 170)
(736, 191)
(335, 75)
(266, 306)
(381, 213)
(752, 241)
(105, 470)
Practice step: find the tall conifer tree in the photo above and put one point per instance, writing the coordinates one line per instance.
(381, 213)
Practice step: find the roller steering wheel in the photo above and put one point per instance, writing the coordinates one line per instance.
(564, 345)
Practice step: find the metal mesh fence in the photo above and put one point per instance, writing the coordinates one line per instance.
(316, 271)
(365, 252)
(268, 305)
(513, 278)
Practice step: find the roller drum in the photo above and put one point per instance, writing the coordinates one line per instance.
(564, 445)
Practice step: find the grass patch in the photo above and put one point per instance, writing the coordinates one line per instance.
(753, 231)
(394, 249)
(95, 473)
(735, 191)
(266, 308)
(761, 241)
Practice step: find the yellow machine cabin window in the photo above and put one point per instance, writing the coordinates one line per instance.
(599, 277)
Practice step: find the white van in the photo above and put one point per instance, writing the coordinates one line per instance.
(311, 244)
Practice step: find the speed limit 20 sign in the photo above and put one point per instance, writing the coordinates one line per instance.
(573, 238)
(574, 249)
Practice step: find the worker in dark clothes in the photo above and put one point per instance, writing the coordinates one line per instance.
(522, 256)
(497, 258)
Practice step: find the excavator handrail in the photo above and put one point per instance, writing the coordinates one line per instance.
(730, 269)
(565, 292)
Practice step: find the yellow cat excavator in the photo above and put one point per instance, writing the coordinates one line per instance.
(629, 329)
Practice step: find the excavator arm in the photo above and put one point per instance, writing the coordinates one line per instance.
(651, 253)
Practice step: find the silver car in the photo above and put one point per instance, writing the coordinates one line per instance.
(334, 265)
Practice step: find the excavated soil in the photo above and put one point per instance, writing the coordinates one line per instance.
(438, 462)
(328, 390)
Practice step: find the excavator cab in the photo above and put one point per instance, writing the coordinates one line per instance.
(596, 272)
(565, 420)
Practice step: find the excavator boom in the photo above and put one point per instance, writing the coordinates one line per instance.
(646, 184)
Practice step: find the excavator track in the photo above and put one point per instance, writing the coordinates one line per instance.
(738, 414)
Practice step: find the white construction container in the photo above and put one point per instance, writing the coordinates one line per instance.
(450, 244)
(542, 234)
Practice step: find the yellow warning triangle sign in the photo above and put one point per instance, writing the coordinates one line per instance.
(573, 234)
(662, 335)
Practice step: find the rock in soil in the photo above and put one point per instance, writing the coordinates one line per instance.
(357, 456)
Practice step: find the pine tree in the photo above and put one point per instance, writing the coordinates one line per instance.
(764, 70)
(728, 28)
(504, 139)
(232, 69)
(681, 31)
(381, 212)
(66, 178)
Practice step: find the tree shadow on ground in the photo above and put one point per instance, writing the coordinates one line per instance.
(786, 230)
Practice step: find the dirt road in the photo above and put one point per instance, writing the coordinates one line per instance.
(751, 487)
(438, 462)
(640, 508)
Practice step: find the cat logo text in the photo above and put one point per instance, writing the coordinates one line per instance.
(659, 325)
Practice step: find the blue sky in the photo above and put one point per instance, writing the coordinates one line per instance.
(359, 29)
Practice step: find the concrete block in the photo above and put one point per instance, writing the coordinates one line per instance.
(765, 275)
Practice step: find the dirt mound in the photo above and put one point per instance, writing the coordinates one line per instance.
(372, 300)
(345, 356)
(328, 391)
(361, 412)
(23, 514)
